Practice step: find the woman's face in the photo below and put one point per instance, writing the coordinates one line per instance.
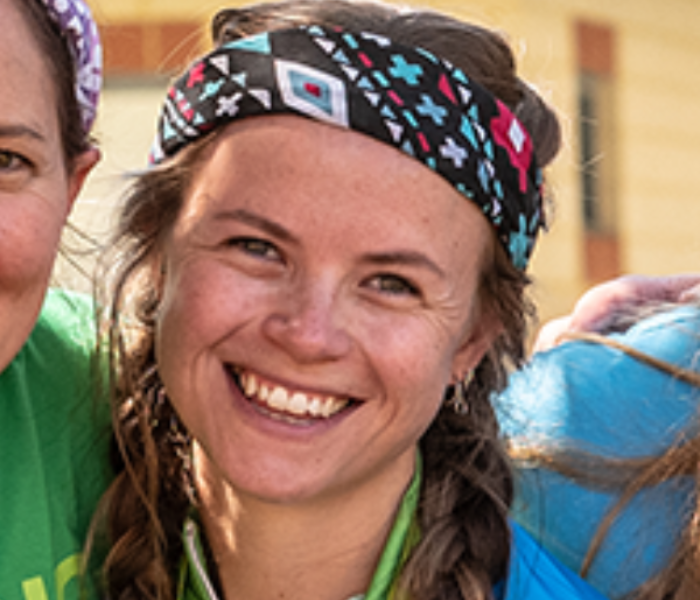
(36, 191)
(320, 293)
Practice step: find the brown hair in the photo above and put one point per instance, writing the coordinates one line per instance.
(467, 487)
(59, 62)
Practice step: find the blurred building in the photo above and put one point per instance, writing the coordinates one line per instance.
(623, 75)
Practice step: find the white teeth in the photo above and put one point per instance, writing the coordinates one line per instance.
(331, 405)
(315, 407)
(278, 398)
(297, 403)
(250, 385)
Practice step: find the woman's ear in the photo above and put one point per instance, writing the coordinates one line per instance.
(82, 165)
(482, 333)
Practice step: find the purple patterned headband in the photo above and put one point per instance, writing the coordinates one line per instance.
(80, 31)
(405, 97)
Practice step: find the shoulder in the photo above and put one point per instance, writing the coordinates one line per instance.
(604, 400)
(535, 575)
(67, 318)
(56, 370)
(594, 398)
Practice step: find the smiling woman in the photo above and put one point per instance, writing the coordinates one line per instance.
(51, 465)
(324, 267)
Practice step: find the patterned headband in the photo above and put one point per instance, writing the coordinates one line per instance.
(405, 97)
(80, 31)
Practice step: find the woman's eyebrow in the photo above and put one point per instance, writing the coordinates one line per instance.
(409, 258)
(258, 221)
(20, 131)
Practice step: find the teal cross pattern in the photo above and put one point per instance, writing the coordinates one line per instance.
(428, 108)
(402, 69)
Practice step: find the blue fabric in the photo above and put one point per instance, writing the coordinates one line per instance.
(601, 400)
(535, 575)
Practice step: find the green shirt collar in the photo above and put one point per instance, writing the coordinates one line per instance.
(194, 582)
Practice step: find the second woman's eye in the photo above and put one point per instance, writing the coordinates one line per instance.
(393, 285)
(11, 161)
(255, 247)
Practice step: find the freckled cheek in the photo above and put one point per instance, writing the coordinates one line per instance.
(205, 303)
(412, 362)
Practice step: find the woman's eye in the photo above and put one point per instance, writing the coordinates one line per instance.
(394, 284)
(256, 247)
(11, 161)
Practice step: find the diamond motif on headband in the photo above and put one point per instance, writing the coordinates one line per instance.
(312, 92)
(520, 155)
(517, 136)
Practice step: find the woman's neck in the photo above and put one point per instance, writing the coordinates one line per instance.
(326, 550)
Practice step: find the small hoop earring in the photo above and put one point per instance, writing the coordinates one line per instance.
(459, 401)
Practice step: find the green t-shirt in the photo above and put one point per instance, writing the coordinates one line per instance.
(53, 453)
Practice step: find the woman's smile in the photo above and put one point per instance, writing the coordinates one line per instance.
(290, 405)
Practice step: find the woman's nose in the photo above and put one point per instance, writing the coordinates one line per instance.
(306, 324)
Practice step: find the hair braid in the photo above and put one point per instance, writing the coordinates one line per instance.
(468, 486)
(145, 507)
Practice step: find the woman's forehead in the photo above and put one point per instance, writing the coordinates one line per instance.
(316, 179)
(26, 94)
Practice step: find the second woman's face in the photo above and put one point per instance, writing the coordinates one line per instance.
(36, 189)
(320, 293)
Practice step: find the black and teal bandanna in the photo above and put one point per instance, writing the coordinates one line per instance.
(405, 97)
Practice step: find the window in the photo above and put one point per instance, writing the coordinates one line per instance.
(596, 129)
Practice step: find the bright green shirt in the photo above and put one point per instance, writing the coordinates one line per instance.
(53, 453)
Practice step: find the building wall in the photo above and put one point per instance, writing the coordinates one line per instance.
(656, 127)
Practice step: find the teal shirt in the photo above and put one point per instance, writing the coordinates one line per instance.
(532, 574)
(53, 453)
